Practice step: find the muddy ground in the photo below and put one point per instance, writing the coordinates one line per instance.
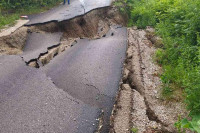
(139, 104)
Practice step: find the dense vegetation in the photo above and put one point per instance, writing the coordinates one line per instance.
(10, 10)
(177, 22)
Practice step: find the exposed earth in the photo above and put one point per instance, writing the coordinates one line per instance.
(139, 102)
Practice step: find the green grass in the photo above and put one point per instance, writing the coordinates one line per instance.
(8, 19)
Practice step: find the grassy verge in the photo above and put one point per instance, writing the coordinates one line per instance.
(177, 22)
(8, 16)
(8, 19)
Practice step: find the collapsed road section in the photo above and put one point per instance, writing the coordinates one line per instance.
(79, 85)
(72, 88)
(90, 71)
(66, 12)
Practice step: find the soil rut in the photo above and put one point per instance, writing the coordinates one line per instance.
(148, 112)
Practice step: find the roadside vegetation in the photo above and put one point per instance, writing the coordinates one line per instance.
(11, 10)
(177, 22)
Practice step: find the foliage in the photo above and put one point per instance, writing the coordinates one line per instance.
(125, 6)
(193, 125)
(134, 130)
(5, 20)
(178, 23)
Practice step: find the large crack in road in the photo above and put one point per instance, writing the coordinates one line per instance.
(65, 12)
(94, 62)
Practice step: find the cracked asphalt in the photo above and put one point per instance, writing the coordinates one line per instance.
(38, 43)
(66, 12)
(68, 94)
(91, 70)
(31, 103)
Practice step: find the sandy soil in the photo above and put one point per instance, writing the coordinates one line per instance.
(12, 39)
(13, 43)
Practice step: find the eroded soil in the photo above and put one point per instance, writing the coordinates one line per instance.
(148, 112)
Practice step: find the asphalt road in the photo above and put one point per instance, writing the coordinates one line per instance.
(68, 94)
(90, 71)
(31, 103)
(66, 12)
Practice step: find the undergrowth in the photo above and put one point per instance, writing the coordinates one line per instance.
(177, 22)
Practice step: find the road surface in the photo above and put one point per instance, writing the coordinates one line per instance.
(66, 12)
(68, 94)
(31, 103)
(91, 70)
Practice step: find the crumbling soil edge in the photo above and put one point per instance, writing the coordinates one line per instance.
(14, 43)
(117, 106)
(95, 30)
(57, 21)
(133, 75)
